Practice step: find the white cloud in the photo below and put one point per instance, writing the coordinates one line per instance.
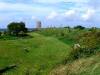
(66, 14)
(4, 6)
(52, 15)
(88, 14)
(16, 7)
(35, 18)
(70, 13)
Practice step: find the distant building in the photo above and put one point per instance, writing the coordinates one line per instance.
(38, 24)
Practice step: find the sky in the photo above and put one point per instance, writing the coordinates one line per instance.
(52, 13)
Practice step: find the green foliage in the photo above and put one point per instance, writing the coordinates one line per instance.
(62, 34)
(93, 29)
(79, 27)
(89, 45)
(69, 29)
(0, 33)
(80, 53)
(46, 49)
(15, 28)
(90, 40)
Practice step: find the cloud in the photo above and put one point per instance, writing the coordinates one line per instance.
(67, 14)
(4, 6)
(35, 18)
(70, 13)
(52, 15)
(88, 14)
(21, 7)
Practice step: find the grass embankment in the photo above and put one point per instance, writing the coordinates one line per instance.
(43, 54)
(83, 66)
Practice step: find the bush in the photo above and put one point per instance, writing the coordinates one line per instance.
(89, 44)
(79, 27)
(90, 40)
(93, 29)
(68, 28)
(0, 33)
(80, 53)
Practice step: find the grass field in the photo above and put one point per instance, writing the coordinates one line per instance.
(43, 54)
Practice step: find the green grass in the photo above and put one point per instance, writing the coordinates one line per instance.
(82, 66)
(62, 34)
(48, 49)
(44, 54)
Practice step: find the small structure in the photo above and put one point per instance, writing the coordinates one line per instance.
(38, 25)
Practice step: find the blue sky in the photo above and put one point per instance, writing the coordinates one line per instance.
(50, 12)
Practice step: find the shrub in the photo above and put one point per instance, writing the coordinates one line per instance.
(4, 33)
(89, 44)
(90, 40)
(79, 27)
(68, 28)
(93, 29)
(0, 33)
(81, 52)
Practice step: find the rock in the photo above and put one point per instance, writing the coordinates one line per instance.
(76, 46)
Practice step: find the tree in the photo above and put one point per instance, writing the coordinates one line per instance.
(79, 27)
(15, 28)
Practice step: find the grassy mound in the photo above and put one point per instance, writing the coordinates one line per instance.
(49, 51)
(36, 56)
